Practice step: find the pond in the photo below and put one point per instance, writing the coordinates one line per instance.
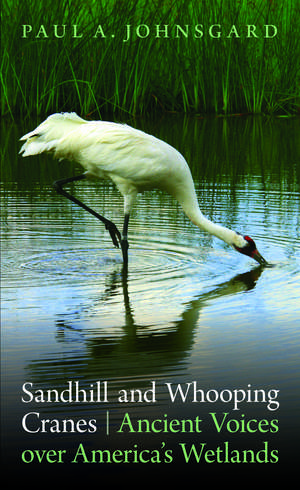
(190, 309)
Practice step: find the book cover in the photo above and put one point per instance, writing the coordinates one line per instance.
(185, 361)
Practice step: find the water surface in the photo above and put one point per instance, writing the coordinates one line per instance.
(190, 307)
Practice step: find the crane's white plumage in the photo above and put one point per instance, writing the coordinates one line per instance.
(133, 160)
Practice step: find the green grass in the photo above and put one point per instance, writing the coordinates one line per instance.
(100, 77)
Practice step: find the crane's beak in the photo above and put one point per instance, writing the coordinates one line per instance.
(259, 258)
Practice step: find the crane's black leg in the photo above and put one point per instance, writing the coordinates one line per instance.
(124, 241)
(109, 225)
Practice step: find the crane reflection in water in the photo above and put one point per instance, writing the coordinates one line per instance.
(137, 349)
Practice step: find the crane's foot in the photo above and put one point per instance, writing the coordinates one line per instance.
(115, 235)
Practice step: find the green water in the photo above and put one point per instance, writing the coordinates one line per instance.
(190, 308)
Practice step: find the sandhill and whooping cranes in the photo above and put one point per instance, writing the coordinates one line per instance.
(134, 161)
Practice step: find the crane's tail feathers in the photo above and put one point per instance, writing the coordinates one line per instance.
(36, 144)
(46, 136)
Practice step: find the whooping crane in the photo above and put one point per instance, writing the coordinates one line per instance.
(134, 161)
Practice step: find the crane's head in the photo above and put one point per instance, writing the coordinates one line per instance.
(250, 249)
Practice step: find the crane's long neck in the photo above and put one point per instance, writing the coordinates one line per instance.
(191, 208)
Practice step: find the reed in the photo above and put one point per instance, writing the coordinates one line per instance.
(173, 69)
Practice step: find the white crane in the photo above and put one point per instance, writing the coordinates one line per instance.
(134, 161)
